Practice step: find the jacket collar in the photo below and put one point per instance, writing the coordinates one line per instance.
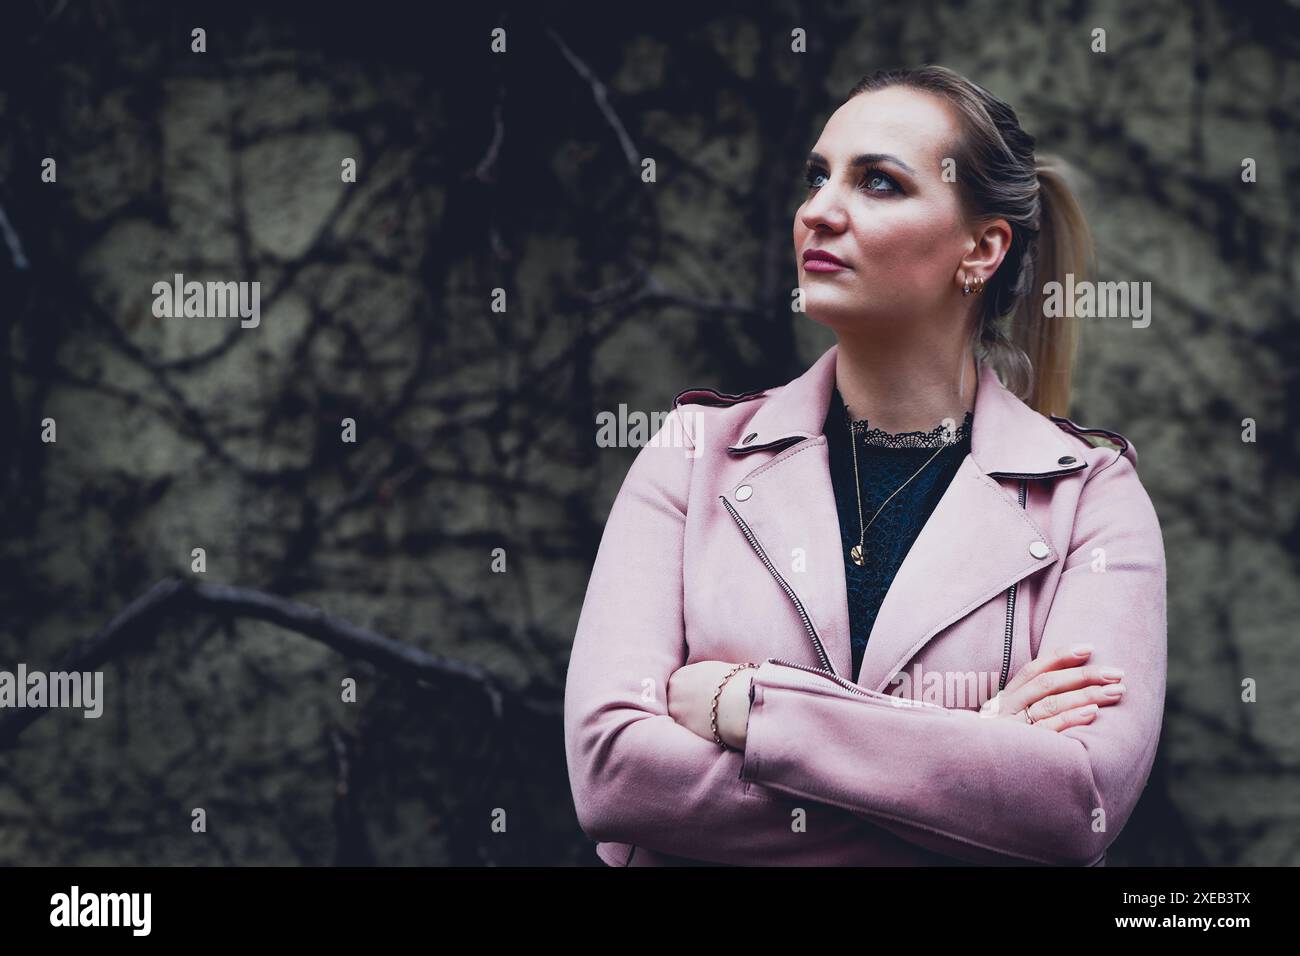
(1008, 438)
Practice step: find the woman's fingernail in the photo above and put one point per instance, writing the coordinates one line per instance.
(1114, 690)
(1081, 650)
(1112, 673)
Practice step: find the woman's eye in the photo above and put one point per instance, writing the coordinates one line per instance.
(812, 175)
(879, 177)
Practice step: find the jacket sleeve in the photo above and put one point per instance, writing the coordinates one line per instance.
(986, 789)
(637, 775)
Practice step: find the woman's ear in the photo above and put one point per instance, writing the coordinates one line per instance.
(991, 243)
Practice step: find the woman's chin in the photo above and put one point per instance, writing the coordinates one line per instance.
(835, 312)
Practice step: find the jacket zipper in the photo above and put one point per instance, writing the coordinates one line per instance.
(1011, 608)
(803, 614)
(847, 685)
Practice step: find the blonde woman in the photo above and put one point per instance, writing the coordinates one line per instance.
(899, 610)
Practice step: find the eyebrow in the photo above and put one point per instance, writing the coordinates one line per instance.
(863, 159)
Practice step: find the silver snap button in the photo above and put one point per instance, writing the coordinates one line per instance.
(743, 493)
(1066, 460)
(749, 438)
(1039, 550)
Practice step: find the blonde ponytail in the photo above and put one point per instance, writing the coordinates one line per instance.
(1063, 246)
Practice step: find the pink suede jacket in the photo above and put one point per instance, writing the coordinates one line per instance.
(723, 544)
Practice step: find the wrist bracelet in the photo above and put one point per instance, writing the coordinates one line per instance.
(717, 738)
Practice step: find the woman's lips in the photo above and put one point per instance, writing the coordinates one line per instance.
(823, 265)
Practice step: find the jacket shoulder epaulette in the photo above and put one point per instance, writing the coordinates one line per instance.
(1097, 437)
(713, 398)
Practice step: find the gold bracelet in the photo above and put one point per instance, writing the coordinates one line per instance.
(717, 738)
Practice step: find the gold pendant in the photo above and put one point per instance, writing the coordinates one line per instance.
(856, 554)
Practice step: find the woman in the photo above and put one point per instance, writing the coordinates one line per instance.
(894, 611)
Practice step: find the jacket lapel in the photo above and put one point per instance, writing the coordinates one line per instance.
(975, 544)
(790, 508)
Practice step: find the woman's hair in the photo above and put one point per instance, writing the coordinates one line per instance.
(999, 176)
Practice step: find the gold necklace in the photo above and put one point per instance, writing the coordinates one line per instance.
(856, 551)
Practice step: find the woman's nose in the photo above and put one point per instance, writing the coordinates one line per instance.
(824, 210)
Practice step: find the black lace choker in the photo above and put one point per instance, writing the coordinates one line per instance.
(934, 438)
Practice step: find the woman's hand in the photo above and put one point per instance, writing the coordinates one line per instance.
(690, 700)
(1057, 691)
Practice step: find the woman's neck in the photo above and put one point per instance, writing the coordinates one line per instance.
(908, 387)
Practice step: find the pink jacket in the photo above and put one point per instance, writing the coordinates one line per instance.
(724, 545)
